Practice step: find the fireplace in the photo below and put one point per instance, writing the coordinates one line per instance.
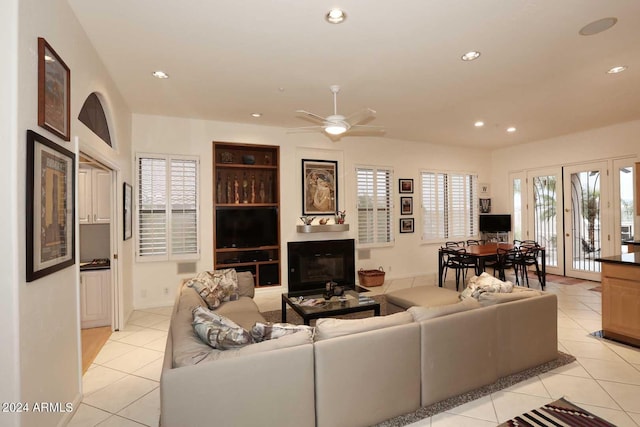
(314, 263)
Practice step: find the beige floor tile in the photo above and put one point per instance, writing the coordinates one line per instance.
(509, 405)
(123, 332)
(157, 345)
(99, 377)
(453, 420)
(120, 394)
(146, 319)
(627, 395)
(635, 417)
(162, 325)
(134, 360)
(611, 371)
(151, 371)
(481, 409)
(87, 416)
(593, 350)
(577, 390)
(112, 350)
(573, 369)
(145, 410)
(143, 337)
(164, 310)
(117, 421)
(532, 386)
(628, 353)
(569, 323)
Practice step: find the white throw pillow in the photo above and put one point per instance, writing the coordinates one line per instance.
(332, 328)
(425, 313)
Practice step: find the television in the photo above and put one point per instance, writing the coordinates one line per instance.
(246, 227)
(495, 223)
(314, 263)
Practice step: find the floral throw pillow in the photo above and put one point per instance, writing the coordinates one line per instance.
(218, 331)
(269, 331)
(216, 287)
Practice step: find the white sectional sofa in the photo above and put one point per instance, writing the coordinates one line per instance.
(355, 372)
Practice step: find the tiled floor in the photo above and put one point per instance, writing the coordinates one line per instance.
(121, 387)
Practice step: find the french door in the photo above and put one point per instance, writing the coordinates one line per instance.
(578, 213)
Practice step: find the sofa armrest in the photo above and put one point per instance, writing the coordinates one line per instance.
(268, 388)
(527, 331)
(458, 353)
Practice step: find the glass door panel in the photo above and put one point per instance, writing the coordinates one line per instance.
(585, 192)
(544, 221)
(624, 198)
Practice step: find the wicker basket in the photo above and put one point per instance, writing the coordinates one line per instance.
(371, 277)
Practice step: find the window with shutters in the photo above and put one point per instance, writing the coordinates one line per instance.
(375, 206)
(449, 206)
(167, 208)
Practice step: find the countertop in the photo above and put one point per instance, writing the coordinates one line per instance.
(632, 258)
(96, 264)
(631, 242)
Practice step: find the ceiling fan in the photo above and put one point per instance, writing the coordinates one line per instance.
(337, 124)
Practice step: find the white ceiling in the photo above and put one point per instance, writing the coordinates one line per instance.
(228, 59)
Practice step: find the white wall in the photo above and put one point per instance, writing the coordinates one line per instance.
(408, 257)
(47, 310)
(621, 140)
(9, 259)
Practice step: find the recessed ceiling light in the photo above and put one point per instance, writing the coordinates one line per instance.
(160, 74)
(511, 129)
(598, 26)
(479, 124)
(336, 16)
(617, 69)
(470, 56)
(256, 115)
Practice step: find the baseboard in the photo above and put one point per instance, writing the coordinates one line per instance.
(66, 418)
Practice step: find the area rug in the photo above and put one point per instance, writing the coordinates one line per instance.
(502, 383)
(558, 413)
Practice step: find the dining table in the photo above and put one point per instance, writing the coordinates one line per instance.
(483, 252)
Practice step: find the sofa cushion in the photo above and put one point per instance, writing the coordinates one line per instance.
(425, 296)
(246, 286)
(332, 328)
(219, 331)
(216, 286)
(267, 331)
(424, 313)
(518, 293)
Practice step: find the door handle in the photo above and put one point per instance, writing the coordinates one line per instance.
(567, 234)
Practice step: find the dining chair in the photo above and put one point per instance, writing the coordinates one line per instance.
(528, 257)
(471, 242)
(505, 259)
(457, 260)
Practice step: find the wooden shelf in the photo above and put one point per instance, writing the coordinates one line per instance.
(244, 166)
(247, 205)
(322, 228)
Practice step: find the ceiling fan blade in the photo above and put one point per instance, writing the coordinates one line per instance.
(361, 116)
(311, 115)
(306, 129)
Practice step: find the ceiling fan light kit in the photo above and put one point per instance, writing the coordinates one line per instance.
(337, 124)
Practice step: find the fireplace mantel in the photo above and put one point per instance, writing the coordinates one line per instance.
(321, 228)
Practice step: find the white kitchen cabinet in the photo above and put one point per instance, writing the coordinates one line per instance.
(94, 196)
(95, 298)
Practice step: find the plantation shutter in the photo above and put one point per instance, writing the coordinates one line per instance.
(374, 205)
(448, 206)
(184, 230)
(152, 202)
(167, 207)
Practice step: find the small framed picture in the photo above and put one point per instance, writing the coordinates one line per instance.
(485, 205)
(406, 205)
(406, 186)
(406, 225)
(53, 91)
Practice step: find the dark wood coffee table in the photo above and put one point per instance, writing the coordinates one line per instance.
(328, 308)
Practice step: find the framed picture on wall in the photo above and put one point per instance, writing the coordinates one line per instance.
(406, 205)
(54, 91)
(485, 205)
(406, 186)
(50, 207)
(406, 225)
(319, 187)
(127, 206)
